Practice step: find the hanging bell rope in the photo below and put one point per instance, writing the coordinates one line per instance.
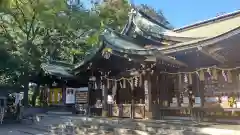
(140, 80)
(190, 78)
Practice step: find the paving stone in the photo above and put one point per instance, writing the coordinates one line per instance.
(102, 126)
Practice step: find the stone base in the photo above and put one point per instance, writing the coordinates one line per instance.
(104, 113)
(148, 115)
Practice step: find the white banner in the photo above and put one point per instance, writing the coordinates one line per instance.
(70, 95)
(197, 100)
(17, 98)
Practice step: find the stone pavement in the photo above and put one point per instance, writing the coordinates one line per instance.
(76, 125)
(17, 129)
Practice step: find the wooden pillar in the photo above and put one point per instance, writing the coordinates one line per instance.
(105, 104)
(162, 92)
(237, 88)
(158, 85)
(178, 89)
(132, 100)
(235, 81)
(199, 113)
(201, 91)
(148, 96)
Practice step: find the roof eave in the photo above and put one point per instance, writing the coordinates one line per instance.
(209, 21)
(200, 42)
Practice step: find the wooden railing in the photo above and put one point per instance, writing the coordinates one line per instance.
(127, 110)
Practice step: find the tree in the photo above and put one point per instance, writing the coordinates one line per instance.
(158, 15)
(36, 31)
(112, 13)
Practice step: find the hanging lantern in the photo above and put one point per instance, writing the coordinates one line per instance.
(54, 84)
(229, 76)
(214, 74)
(106, 53)
(201, 75)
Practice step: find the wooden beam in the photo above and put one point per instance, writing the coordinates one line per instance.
(213, 55)
(170, 59)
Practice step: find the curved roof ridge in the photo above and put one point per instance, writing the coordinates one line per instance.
(201, 42)
(208, 21)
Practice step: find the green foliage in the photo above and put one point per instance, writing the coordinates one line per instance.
(36, 31)
(158, 15)
(33, 31)
(114, 13)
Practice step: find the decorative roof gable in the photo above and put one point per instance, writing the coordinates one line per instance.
(212, 27)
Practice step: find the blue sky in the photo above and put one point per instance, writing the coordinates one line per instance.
(184, 12)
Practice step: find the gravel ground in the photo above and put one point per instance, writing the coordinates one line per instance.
(71, 125)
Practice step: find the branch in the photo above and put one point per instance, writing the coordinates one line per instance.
(35, 33)
(31, 25)
(18, 22)
(23, 15)
(31, 28)
(5, 31)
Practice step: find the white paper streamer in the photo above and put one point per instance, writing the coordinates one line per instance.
(224, 75)
(120, 83)
(124, 83)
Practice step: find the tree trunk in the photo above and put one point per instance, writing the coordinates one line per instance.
(25, 99)
(35, 95)
(26, 88)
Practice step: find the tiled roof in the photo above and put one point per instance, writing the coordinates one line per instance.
(209, 21)
(200, 42)
(57, 70)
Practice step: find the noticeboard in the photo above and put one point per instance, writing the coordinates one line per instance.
(81, 97)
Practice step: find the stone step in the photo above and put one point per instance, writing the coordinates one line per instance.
(30, 131)
(59, 113)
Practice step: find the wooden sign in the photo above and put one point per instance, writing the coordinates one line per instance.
(81, 97)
